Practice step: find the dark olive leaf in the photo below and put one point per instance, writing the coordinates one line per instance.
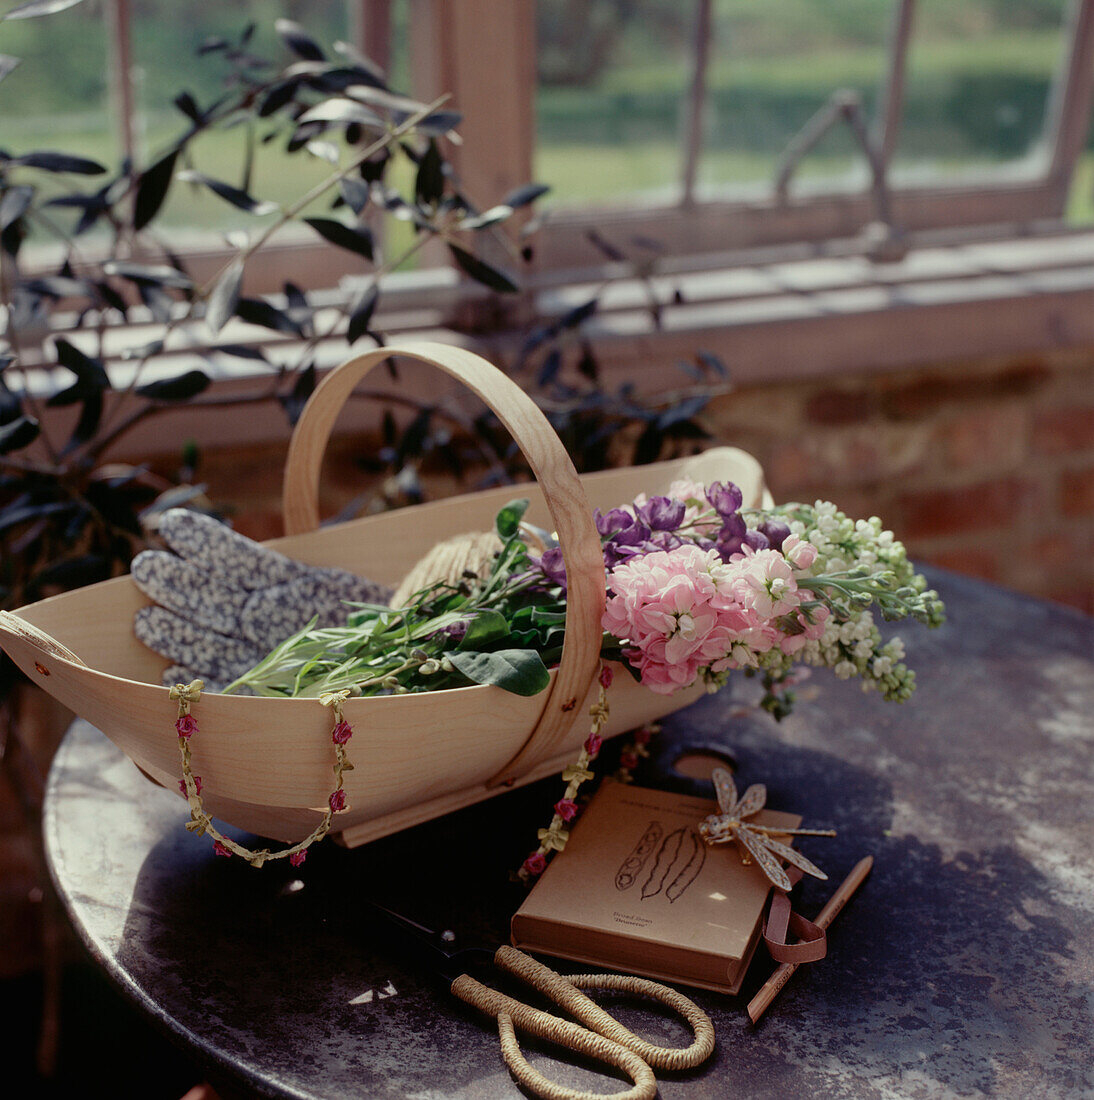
(578, 314)
(180, 388)
(257, 311)
(60, 162)
(587, 365)
(90, 416)
(388, 431)
(293, 403)
(7, 64)
(486, 627)
(525, 194)
(276, 98)
(342, 111)
(153, 274)
(239, 199)
(14, 204)
(143, 351)
(682, 410)
(301, 43)
(40, 7)
(361, 313)
(429, 181)
(18, 434)
(713, 363)
(299, 310)
(520, 671)
(59, 286)
(606, 247)
(176, 497)
(298, 40)
(415, 436)
(357, 239)
(91, 376)
(440, 123)
(224, 297)
(152, 189)
(648, 447)
(508, 519)
(14, 515)
(158, 302)
(72, 572)
(302, 135)
(482, 272)
(385, 100)
(324, 150)
(213, 44)
(241, 351)
(489, 217)
(365, 68)
(110, 297)
(548, 371)
(186, 103)
(355, 193)
(11, 239)
(372, 171)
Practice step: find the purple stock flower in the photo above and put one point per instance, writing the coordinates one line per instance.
(732, 535)
(553, 567)
(776, 531)
(662, 513)
(757, 540)
(726, 499)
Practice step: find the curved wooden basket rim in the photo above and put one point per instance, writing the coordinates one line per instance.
(566, 501)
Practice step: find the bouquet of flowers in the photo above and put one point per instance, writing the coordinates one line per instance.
(697, 587)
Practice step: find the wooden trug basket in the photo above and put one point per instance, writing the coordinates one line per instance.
(266, 763)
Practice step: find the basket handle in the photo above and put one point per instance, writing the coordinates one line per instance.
(571, 514)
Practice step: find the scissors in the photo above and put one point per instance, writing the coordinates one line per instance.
(603, 1038)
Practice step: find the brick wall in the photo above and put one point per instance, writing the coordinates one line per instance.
(984, 467)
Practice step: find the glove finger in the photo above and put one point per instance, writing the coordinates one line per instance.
(189, 591)
(214, 657)
(215, 546)
(273, 614)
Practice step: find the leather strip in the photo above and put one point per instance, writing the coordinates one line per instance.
(812, 941)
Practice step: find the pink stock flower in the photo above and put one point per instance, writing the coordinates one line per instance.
(221, 850)
(535, 864)
(186, 726)
(764, 582)
(298, 858)
(338, 800)
(342, 732)
(801, 555)
(197, 786)
(566, 808)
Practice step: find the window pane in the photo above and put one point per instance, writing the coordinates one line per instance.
(66, 106)
(612, 84)
(978, 79)
(166, 37)
(773, 65)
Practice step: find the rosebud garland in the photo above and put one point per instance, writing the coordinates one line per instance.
(190, 785)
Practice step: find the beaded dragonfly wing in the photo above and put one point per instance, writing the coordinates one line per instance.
(756, 841)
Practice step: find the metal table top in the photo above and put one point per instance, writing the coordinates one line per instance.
(964, 966)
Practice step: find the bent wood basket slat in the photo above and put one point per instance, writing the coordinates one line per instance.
(266, 763)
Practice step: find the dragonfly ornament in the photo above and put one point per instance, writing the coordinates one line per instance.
(757, 841)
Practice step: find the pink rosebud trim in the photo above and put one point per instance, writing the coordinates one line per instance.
(606, 677)
(220, 849)
(338, 801)
(535, 864)
(566, 808)
(342, 732)
(186, 726)
(628, 760)
(298, 857)
(593, 743)
(197, 785)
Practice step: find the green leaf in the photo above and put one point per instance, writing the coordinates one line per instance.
(239, 199)
(520, 671)
(482, 272)
(91, 376)
(344, 236)
(60, 162)
(152, 189)
(493, 216)
(19, 433)
(361, 314)
(522, 196)
(343, 112)
(13, 204)
(298, 40)
(180, 388)
(429, 182)
(487, 626)
(508, 519)
(224, 297)
(40, 7)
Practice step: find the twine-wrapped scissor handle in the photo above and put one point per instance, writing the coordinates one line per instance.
(603, 1038)
(566, 992)
(513, 1014)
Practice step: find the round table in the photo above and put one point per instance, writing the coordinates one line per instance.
(964, 966)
